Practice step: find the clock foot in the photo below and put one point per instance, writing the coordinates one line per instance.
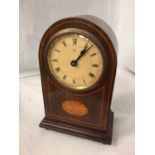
(96, 135)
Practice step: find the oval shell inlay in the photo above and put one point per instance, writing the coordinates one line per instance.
(74, 108)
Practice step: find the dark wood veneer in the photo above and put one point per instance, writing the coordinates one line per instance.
(97, 125)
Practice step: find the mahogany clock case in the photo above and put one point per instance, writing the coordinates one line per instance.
(97, 124)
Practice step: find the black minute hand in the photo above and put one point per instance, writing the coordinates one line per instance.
(82, 53)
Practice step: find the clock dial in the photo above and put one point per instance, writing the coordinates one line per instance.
(75, 61)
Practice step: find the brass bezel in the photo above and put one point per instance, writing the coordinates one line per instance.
(90, 37)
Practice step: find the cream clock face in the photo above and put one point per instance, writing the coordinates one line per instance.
(75, 61)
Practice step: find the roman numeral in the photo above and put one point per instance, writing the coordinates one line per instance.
(57, 69)
(64, 43)
(86, 45)
(83, 80)
(91, 75)
(74, 82)
(93, 54)
(74, 41)
(95, 65)
(64, 77)
(56, 50)
(55, 60)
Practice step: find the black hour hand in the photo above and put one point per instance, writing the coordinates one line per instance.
(75, 62)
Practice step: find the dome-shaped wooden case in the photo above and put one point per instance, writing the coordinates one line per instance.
(96, 120)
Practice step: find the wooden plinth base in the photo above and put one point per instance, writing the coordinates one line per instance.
(96, 135)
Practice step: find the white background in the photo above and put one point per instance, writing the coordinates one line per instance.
(145, 100)
(37, 15)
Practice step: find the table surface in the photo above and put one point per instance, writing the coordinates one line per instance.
(38, 141)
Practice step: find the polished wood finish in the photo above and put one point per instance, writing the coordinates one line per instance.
(97, 123)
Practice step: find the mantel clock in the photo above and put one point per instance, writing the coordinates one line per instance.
(77, 58)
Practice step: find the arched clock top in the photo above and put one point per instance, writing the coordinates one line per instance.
(78, 61)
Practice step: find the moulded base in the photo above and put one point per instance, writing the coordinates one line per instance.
(80, 131)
